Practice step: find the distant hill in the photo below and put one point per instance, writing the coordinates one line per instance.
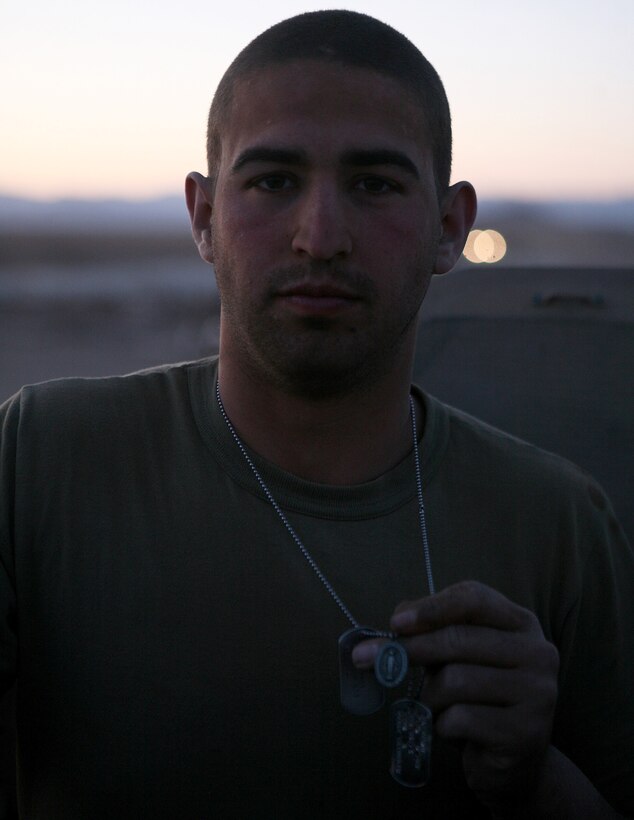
(145, 216)
(616, 214)
(78, 232)
(103, 215)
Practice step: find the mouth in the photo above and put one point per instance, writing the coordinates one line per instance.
(317, 298)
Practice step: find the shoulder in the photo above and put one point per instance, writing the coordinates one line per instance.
(495, 455)
(532, 488)
(538, 527)
(103, 391)
(76, 407)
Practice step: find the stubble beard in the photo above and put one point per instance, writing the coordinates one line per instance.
(317, 357)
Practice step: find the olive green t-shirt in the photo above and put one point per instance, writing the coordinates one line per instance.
(176, 655)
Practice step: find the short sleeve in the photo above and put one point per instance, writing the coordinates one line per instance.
(595, 716)
(9, 418)
(9, 414)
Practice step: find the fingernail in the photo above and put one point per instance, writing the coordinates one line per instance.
(402, 620)
(364, 654)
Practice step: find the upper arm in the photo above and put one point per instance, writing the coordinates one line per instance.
(595, 715)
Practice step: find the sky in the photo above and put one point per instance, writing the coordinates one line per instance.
(109, 99)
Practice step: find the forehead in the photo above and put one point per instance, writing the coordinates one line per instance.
(326, 105)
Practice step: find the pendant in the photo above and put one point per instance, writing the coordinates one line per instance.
(390, 665)
(410, 742)
(360, 692)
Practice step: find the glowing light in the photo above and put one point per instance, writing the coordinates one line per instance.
(485, 246)
(469, 250)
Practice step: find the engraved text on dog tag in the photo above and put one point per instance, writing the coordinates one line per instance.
(410, 742)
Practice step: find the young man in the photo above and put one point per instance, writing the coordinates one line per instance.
(183, 548)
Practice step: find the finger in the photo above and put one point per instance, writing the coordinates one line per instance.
(467, 644)
(464, 643)
(468, 684)
(468, 602)
(509, 728)
(365, 652)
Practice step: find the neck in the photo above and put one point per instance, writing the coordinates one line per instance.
(342, 439)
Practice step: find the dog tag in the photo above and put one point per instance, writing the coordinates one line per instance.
(390, 665)
(360, 692)
(410, 741)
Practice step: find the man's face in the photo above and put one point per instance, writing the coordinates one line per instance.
(325, 225)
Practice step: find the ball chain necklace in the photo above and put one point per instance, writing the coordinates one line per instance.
(362, 692)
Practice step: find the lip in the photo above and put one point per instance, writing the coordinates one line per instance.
(318, 290)
(322, 299)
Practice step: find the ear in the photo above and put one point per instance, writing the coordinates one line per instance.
(458, 212)
(199, 196)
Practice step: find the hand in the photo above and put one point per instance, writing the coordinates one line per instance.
(490, 680)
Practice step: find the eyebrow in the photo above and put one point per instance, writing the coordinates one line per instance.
(356, 158)
(380, 156)
(283, 156)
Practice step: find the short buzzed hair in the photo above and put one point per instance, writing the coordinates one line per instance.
(352, 39)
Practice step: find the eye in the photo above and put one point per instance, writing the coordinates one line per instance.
(375, 185)
(273, 183)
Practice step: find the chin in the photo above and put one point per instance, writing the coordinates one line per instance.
(319, 363)
(315, 377)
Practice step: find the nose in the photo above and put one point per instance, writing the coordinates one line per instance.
(322, 230)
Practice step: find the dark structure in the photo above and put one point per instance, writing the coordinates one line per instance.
(545, 354)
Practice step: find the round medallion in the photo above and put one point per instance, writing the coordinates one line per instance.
(390, 665)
